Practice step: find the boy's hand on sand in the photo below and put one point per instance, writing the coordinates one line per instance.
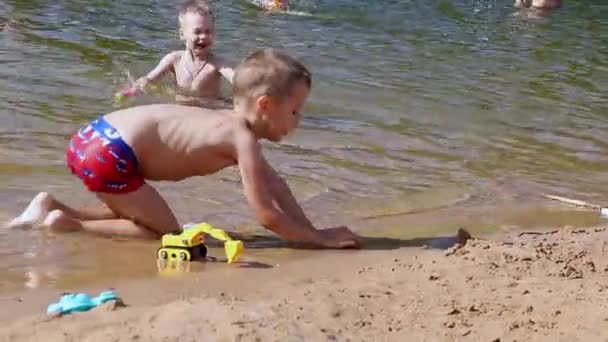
(340, 237)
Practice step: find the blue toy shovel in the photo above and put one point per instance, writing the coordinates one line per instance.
(78, 302)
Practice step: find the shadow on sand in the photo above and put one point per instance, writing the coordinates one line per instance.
(368, 243)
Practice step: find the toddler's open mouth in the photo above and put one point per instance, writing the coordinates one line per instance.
(201, 45)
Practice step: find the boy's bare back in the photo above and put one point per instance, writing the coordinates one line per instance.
(174, 142)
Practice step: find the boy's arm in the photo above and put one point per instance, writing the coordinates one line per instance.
(284, 197)
(255, 183)
(337, 237)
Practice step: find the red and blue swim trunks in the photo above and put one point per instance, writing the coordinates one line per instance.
(99, 156)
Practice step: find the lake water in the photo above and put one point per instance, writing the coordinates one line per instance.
(424, 116)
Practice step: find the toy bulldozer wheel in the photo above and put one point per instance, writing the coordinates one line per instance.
(183, 256)
(202, 251)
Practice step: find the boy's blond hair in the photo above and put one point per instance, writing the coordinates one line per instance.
(201, 7)
(268, 72)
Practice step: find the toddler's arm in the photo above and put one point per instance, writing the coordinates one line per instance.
(138, 87)
(165, 65)
(223, 68)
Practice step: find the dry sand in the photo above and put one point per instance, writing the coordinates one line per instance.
(530, 287)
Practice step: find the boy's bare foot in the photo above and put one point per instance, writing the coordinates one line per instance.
(57, 220)
(35, 212)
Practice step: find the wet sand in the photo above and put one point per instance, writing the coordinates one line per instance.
(541, 286)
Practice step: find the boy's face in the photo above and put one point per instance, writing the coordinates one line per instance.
(283, 113)
(198, 32)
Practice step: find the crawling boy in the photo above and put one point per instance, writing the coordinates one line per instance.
(115, 154)
(197, 72)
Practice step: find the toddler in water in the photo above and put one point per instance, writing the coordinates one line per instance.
(115, 154)
(197, 71)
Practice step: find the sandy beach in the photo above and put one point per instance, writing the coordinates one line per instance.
(530, 286)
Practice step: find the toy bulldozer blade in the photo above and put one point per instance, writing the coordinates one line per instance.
(233, 248)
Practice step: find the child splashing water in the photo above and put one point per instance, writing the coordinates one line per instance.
(196, 71)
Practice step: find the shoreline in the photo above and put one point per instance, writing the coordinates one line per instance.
(38, 259)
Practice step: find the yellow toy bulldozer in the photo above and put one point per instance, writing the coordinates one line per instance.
(189, 244)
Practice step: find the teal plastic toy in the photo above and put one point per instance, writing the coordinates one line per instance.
(78, 302)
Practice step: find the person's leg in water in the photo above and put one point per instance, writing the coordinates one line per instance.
(142, 213)
(43, 203)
